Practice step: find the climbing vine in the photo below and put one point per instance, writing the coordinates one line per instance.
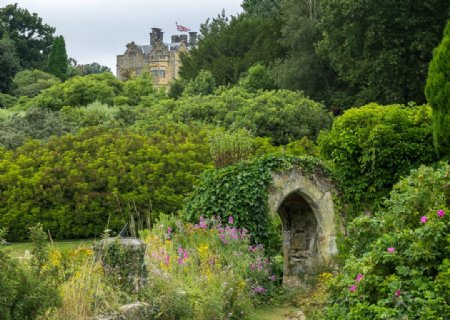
(241, 191)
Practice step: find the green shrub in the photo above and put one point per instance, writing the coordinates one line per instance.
(203, 84)
(397, 264)
(6, 101)
(283, 116)
(75, 184)
(79, 91)
(372, 147)
(24, 294)
(30, 83)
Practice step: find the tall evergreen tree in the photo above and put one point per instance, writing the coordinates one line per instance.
(9, 63)
(437, 92)
(57, 61)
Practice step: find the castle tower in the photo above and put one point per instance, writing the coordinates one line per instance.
(156, 36)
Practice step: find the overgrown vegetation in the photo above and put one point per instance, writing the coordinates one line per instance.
(81, 152)
(396, 262)
(372, 147)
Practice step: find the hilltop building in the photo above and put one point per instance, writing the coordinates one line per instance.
(160, 59)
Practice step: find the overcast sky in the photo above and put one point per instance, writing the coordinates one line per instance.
(98, 30)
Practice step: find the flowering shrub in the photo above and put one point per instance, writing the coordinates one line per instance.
(205, 271)
(404, 270)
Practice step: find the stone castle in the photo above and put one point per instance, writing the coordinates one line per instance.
(160, 59)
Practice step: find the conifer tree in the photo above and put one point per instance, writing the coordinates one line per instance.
(57, 61)
(437, 92)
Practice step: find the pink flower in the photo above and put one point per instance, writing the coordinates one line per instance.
(273, 278)
(167, 259)
(259, 289)
(169, 230)
(359, 277)
(441, 213)
(230, 220)
(423, 219)
(180, 261)
(398, 293)
(352, 288)
(390, 249)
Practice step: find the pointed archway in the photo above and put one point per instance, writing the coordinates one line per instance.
(305, 206)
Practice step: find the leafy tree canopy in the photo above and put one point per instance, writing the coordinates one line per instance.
(261, 8)
(32, 38)
(229, 47)
(382, 48)
(31, 82)
(91, 68)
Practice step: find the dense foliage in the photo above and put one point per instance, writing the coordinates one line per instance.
(32, 38)
(372, 147)
(9, 63)
(77, 184)
(229, 47)
(241, 191)
(397, 264)
(23, 293)
(283, 116)
(382, 48)
(438, 94)
(30, 83)
(79, 91)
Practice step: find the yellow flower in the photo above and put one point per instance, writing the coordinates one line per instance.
(54, 258)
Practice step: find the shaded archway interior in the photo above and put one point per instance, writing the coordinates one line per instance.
(300, 239)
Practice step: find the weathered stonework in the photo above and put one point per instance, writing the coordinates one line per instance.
(305, 205)
(160, 59)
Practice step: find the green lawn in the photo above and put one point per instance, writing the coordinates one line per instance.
(18, 249)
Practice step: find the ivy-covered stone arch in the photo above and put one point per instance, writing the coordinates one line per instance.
(298, 188)
(305, 205)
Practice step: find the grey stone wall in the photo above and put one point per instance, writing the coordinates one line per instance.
(305, 206)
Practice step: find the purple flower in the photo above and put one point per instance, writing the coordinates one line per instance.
(259, 289)
(352, 288)
(423, 219)
(180, 261)
(359, 277)
(230, 220)
(398, 293)
(441, 213)
(390, 249)
(169, 230)
(273, 278)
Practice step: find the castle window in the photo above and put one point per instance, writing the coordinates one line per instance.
(162, 72)
(158, 72)
(154, 72)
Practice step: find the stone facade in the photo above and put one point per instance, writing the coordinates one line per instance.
(305, 206)
(160, 59)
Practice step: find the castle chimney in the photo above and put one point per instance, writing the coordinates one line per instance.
(192, 38)
(175, 39)
(156, 36)
(184, 38)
